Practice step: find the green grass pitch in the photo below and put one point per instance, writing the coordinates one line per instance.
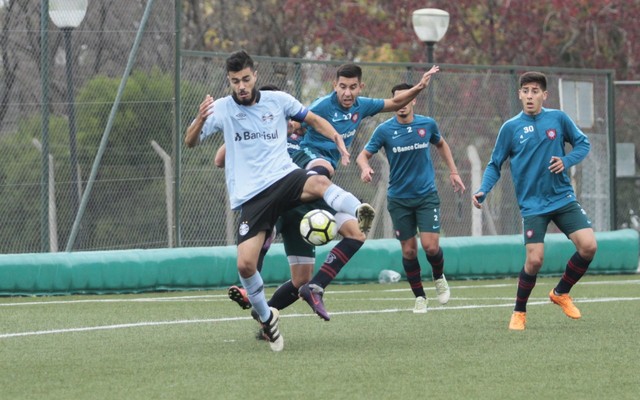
(200, 345)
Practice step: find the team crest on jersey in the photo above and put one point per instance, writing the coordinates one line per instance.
(529, 233)
(355, 116)
(244, 228)
(551, 134)
(268, 117)
(422, 132)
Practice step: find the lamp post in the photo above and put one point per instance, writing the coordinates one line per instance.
(430, 25)
(67, 15)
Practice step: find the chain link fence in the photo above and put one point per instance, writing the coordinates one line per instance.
(136, 187)
(628, 155)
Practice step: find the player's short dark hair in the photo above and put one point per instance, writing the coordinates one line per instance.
(534, 77)
(349, 71)
(269, 87)
(400, 86)
(239, 60)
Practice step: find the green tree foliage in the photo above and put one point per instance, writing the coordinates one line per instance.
(20, 173)
(130, 174)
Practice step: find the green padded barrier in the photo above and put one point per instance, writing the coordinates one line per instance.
(127, 271)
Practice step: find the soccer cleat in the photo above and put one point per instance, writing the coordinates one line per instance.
(271, 332)
(365, 214)
(260, 332)
(565, 301)
(239, 295)
(442, 290)
(421, 305)
(518, 321)
(312, 294)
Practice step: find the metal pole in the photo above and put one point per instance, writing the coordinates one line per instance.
(44, 78)
(177, 144)
(107, 130)
(430, 90)
(73, 158)
(430, 46)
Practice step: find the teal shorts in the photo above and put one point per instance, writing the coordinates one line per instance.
(568, 219)
(412, 215)
(305, 155)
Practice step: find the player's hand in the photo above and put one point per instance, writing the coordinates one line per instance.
(344, 153)
(206, 108)
(366, 175)
(456, 182)
(426, 77)
(556, 165)
(477, 198)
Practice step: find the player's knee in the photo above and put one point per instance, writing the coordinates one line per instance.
(321, 170)
(588, 250)
(534, 263)
(409, 254)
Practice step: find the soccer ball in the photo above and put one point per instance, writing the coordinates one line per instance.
(318, 227)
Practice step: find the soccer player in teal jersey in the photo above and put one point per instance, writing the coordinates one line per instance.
(345, 109)
(534, 141)
(412, 196)
(261, 178)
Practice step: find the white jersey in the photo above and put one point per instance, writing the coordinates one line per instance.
(256, 141)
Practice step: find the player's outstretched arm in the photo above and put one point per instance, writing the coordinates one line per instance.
(404, 97)
(327, 130)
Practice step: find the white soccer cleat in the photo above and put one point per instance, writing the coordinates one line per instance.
(442, 290)
(271, 332)
(421, 305)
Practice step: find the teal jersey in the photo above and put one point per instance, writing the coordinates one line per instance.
(530, 142)
(411, 172)
(344, 121)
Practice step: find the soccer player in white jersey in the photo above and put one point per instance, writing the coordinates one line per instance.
(412, 196)
(262, 181)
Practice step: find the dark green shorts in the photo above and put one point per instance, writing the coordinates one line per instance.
(412, 215)
(289, 228)
(305, 155)
(568, 219)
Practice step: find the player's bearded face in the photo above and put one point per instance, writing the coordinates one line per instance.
(243, 84)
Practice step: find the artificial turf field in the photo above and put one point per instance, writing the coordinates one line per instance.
(200, 345)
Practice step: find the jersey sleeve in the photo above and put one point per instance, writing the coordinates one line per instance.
(436, 136)
(499, 155)
(212, 125)
(369, 106)
(293, 108)
(579, 142)
(376, 141)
